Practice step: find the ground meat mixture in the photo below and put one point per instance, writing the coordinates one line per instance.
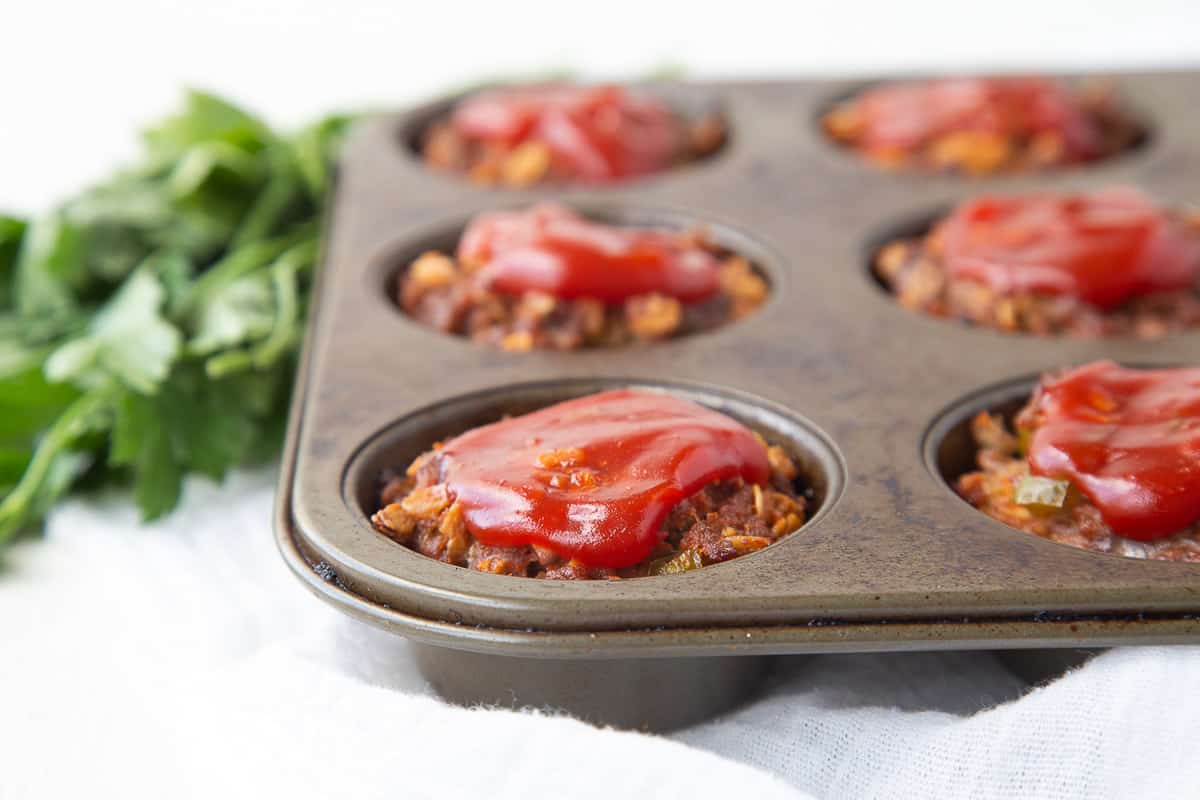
(915, 271)
(545, 154)
(724, 520)
(440, 291)
(1078, 523)
(983, 126)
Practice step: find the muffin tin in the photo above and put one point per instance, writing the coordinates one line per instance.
(871, 397)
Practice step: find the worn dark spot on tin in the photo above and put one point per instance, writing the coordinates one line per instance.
(327, 573)
(902, 503)
(900, 497)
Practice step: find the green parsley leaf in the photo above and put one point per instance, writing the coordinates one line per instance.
(205, 119)
(149, 326)
(141, 439)
(54, 464)
(29, 404)
(127, 339)
(49, 262)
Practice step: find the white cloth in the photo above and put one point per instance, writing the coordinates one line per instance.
(181, 659)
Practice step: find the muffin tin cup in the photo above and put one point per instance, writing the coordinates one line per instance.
(651, 694)
(862, 390)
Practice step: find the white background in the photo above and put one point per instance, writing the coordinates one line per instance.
(78, 78)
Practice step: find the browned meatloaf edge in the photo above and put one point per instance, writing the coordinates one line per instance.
(1002, 465)
(439, 291)
(529, 164)
(983, 153)
(914, 271)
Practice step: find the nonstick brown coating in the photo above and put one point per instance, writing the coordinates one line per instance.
(893, 560)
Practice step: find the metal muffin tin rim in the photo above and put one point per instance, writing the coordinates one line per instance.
(818, 636)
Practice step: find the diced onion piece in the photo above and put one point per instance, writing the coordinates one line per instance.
(1033, 490)
(681, 562)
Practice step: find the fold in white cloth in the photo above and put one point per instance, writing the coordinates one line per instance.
(180, 659)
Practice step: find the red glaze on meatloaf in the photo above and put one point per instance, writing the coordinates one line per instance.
(1103, 457)
(619, 484)
(982, 126)
(1107, 263)
(548, 278)
(562, 133)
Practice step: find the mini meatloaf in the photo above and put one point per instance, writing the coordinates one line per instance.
(620, 484)
(547, 278)
(1115, 454)
(559, 133)
(982, 126)
(1111, 263)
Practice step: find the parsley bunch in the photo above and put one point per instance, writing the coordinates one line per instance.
(149, 327)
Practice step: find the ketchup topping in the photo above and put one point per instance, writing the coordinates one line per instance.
(906, 115)
(594, 478)
(1129, 439)
(597, 133)
(551, 249)
(1103, 248)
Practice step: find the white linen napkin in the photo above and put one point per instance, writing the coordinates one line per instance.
(181, 659)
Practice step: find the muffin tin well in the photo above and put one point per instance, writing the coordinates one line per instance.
(1142, 124)
(729, 240)
(869, 392)
(821, 470)
(689, 102)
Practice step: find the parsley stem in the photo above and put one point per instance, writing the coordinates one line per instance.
(37, 489)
